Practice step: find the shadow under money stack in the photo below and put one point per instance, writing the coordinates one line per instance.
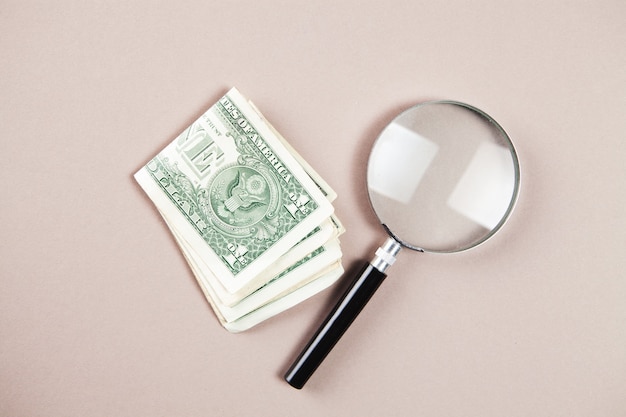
(253, 219)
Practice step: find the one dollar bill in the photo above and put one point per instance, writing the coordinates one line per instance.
(235, 192)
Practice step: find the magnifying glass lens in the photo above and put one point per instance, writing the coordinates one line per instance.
(442, 177)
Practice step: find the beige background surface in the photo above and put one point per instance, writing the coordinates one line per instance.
(99, 314)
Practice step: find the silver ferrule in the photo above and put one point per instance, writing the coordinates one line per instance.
(386, 254)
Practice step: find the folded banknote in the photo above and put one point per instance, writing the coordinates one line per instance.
(254, 221)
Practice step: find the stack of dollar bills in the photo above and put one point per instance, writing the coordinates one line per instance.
(254, 221)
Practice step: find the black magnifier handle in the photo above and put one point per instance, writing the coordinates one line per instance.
(343, 314)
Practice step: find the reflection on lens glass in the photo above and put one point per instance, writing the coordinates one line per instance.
(405, 155)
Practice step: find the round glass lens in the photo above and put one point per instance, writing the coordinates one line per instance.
(443, 177)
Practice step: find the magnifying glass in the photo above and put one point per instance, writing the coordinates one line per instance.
(442, 177)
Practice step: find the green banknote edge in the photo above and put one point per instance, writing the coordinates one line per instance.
(299, 275)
